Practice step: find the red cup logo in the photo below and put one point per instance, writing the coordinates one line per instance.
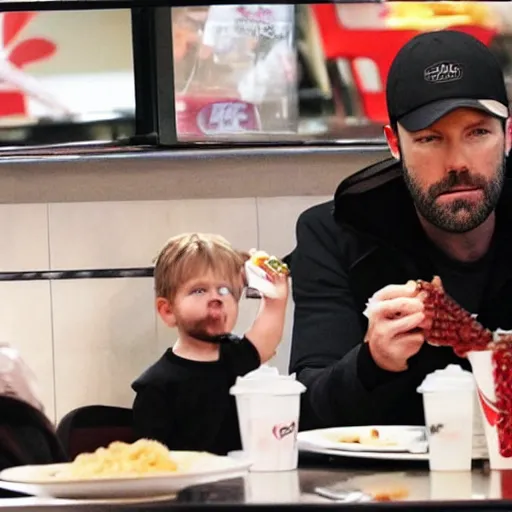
(490, 410)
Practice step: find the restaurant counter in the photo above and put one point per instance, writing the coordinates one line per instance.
(409, 485)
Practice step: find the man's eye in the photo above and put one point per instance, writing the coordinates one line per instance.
(479, 132)
(426, 139)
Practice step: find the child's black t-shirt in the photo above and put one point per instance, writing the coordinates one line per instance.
(186, 404)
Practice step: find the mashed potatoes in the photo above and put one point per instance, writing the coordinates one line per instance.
(120, 460)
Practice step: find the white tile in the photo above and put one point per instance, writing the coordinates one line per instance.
(277, 217)
(106, 234)
(104, 337)
(24, 240)
(234, 219)
(25, 323)
(129, 234)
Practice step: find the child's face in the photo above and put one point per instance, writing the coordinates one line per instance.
(206, 305)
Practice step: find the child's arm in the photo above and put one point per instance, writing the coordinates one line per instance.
(267, 330)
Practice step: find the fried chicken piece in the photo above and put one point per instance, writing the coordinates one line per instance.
(451, 325)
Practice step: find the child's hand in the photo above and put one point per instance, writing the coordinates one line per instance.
(281, 282)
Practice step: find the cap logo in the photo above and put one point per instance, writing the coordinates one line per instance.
(442, 72)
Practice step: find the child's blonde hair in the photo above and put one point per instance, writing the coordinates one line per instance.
(191, 255)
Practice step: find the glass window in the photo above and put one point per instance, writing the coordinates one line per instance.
(67, 76)
(240, 72)
(235, 71)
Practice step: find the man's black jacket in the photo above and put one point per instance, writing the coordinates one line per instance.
(368, 237)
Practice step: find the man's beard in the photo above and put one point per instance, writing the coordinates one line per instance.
(446, 217)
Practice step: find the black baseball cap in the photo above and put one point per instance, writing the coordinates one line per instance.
(437, 72)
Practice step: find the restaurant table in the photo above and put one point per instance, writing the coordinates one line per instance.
(479, 489)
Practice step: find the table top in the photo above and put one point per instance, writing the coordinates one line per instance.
(409, 486)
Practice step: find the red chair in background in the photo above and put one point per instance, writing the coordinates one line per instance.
(368, 54)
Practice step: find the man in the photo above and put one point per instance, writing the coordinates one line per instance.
(442, 206)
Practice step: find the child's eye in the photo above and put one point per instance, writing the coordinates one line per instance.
(224, 290)
(198, 291)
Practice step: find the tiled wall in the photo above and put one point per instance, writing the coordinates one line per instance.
(87, 339)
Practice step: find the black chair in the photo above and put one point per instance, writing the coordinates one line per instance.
(88, 428)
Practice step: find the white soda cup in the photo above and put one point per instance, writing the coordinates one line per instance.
(268, 406)
(481, 364)
(448, 398)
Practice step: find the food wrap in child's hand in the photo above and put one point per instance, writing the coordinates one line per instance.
(260, 270)
(16, 379)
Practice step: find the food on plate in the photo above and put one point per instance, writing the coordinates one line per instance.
(120, 459)
(369, 438)
(270, 264)
(389, 494)
(451, 325)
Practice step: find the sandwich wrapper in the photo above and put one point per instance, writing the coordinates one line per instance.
(369, 306)
(258, 280)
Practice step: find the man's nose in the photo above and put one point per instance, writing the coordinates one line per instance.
(456, 159)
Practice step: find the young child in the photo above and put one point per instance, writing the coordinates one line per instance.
(183, 399)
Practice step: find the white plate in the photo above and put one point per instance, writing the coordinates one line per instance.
(201, 468)
(320, 441)
(304, 447)
(399, 438)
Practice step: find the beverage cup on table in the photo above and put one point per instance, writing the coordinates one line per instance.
(268, 406)
(448, 398)
(483, 371)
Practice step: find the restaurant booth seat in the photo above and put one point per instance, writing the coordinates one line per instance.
(90, 427)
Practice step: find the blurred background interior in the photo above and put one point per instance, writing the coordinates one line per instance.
(302, 72)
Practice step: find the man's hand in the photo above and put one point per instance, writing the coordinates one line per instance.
(395, 328)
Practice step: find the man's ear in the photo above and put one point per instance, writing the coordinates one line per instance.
(166, 312)
(392, 139)
(508, 136)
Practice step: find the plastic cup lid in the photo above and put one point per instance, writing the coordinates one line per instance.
(452, 378)
(266, 380)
